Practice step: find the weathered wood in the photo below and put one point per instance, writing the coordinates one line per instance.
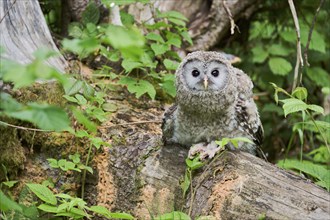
(145, 179)
(209, 21)
(23, 30)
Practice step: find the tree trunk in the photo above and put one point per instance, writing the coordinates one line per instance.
(23, 30)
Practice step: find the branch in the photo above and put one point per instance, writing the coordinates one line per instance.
(24, 128)
(299, 54)
(230, 16)
(311, 32)
(132, 123)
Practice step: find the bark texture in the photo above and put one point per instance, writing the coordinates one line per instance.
(23, 30)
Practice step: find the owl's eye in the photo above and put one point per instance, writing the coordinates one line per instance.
(215, 73)
(195, 73)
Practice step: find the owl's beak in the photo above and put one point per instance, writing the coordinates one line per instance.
(206, 82)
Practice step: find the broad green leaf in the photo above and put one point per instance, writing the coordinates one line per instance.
(82, 47)
(279, 66)
(126, 19)
(300, 93)
(43, 193)
(91, 14)
(173, 39)
(139, 87)
(317, 41)
(129, 41)
(292, 105)
(155, 37)
(317, 171)
(169, 88)
(52, 162)
(30, 212)
(70, 98)
(44, 116)
(259, 54)
(278, 50)
(170, 64)
(240, 139)
(8, 103)
(289, 35)
(129, 65)
(74, 30)
(159, 49)
(8, 204)
(173, 215)
(48, 208)
(319, 76)
(316, 108)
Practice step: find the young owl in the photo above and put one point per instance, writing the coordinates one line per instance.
(214, 100)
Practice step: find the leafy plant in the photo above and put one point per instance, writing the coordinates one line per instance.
(139, 54)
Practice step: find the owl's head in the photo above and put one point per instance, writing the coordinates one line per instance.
(204, 72)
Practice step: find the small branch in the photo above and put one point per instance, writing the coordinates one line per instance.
(23, 128)
(299, 54)
(311, 32)
(230, 16)
(7, 11)
(132, 123)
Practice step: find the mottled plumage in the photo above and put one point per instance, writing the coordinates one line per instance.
(214, 100)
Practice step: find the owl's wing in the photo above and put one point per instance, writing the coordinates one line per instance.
(248, 119)
(246, 109)
(168, 123)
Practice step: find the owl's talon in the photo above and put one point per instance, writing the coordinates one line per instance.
(205, 150)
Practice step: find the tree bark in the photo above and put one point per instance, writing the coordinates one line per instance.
(145, 178)
(23, 30)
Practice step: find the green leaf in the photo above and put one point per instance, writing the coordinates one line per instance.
(159, 49)
(319, 76)
(300, 93)
(316, 108)
(194, 164)
(91, 126)
(170, 64)
(43, 193)
(91, 14)
(317, 41)
(187, 37)
(172, 14)
(173, 215)
(139, 87)
(186, 183)
(48, 208)
(9, 183)
(155, 37)
(178, 22)
(289, 35)
(292, 105)
(8, 204)
(259, 54)
(279, 66)
(105, 212)
(44, 116)
(129, 41)
(317, 171)
(279, 50)
(320, 154)
(129, 65)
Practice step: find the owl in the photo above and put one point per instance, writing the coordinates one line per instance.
(214, 100)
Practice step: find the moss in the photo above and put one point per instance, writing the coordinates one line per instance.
(12, 156)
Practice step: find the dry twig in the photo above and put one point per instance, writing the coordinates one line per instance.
(132, 123)
(23, 128)
(310, 32)
(299, 60)
(230, 16)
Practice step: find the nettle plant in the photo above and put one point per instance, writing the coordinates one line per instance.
(309, 131)
(146, 52)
